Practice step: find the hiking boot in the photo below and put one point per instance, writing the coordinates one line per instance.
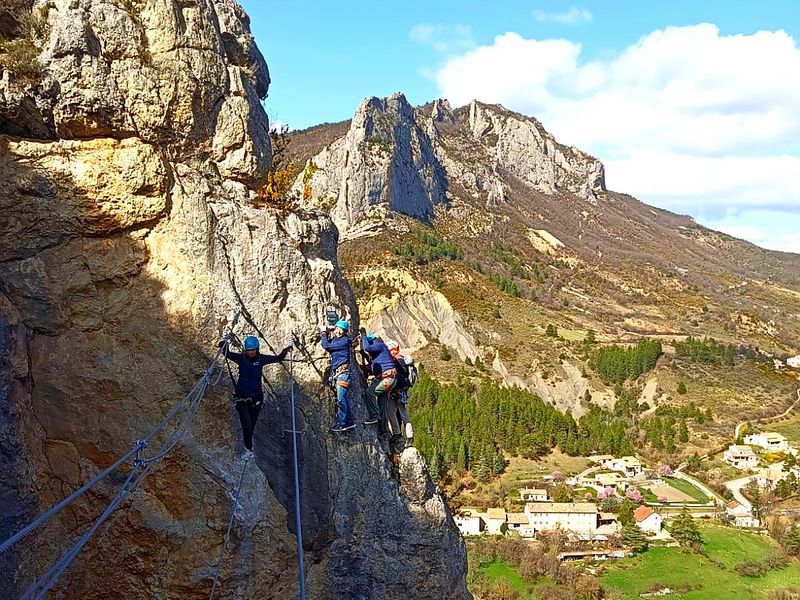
(337, 428)
(350, 426)
(371, 420)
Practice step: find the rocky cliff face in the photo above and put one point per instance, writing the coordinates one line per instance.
(128, 237)
(385, 161)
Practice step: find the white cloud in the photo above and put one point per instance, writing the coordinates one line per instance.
(445, 39)
(685, 118)
(573, 16)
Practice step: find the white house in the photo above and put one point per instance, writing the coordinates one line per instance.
(613, 480)
(468, 524)
(647, 519)
(629, 465)
(769, 440)
(794, 362)
(740, 516)
(767, 478)
(495, 519)
(533, 495)
(741, 457)
(601, 459)
(577, 516)
(517, 521)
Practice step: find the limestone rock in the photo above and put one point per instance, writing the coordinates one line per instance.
(386, 158)
(125, 244)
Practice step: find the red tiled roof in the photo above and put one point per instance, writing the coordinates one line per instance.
(733, 504)
(641, 513)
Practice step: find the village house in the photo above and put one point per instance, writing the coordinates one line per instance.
(614, 480)
(601, 459)
(647, 519)
(468, 524)
(495, 520)
(739, 515)
(533, 495)
(794, 362)
(516, 522)
(769, 440)
(629, 465)
(740, 457)
(577, 516)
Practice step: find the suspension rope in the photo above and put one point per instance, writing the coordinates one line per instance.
(298, 526)
(227, 537)
(190, 402)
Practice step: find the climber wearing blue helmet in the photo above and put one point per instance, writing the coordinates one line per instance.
(248, 393)
(385, 377)
(339, 348)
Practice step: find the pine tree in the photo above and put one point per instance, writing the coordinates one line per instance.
(498, 464)
(681, 388)
(791, 540)
(551, 330)
(635, 538)
(684, 529)
(683, 431)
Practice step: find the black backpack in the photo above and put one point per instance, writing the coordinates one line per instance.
(406, 373)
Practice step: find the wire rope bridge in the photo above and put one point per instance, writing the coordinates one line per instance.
(183, 413)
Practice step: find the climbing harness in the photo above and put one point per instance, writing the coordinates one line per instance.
(227, 537)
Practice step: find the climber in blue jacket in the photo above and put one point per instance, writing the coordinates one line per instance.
(385, 372)
(339, 348)
(248, 393)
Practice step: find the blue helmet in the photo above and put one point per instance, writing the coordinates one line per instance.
(250, 343)
(341, 324)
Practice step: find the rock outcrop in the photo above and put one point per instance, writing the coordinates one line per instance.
(405, 159)
(129, 236)
(386, 159)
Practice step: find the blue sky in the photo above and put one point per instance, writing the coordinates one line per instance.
(692, 106)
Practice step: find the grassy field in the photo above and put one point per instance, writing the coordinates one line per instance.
(687, 488)
(497, 570)
(696, 577)
(790, 427)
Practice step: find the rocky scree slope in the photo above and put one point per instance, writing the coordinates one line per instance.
(523, 207)
(128, 237)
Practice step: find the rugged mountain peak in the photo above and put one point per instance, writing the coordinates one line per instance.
(385, 161)
(129, 235)
(410, 160)
(525, 149)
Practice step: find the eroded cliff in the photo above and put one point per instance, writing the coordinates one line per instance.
(128, 237)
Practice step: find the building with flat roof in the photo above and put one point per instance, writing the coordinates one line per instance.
(629, 465)
(769, 440)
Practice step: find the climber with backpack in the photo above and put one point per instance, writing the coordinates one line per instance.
(385, 374)
(399, 418)
(338, 347)
(248, 395)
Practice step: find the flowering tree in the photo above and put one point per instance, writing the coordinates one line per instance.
(606, 492)
(663, 499)
(557, 476)
(665, 470)
(634, 494)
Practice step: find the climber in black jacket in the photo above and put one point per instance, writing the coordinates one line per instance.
(248, 394)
